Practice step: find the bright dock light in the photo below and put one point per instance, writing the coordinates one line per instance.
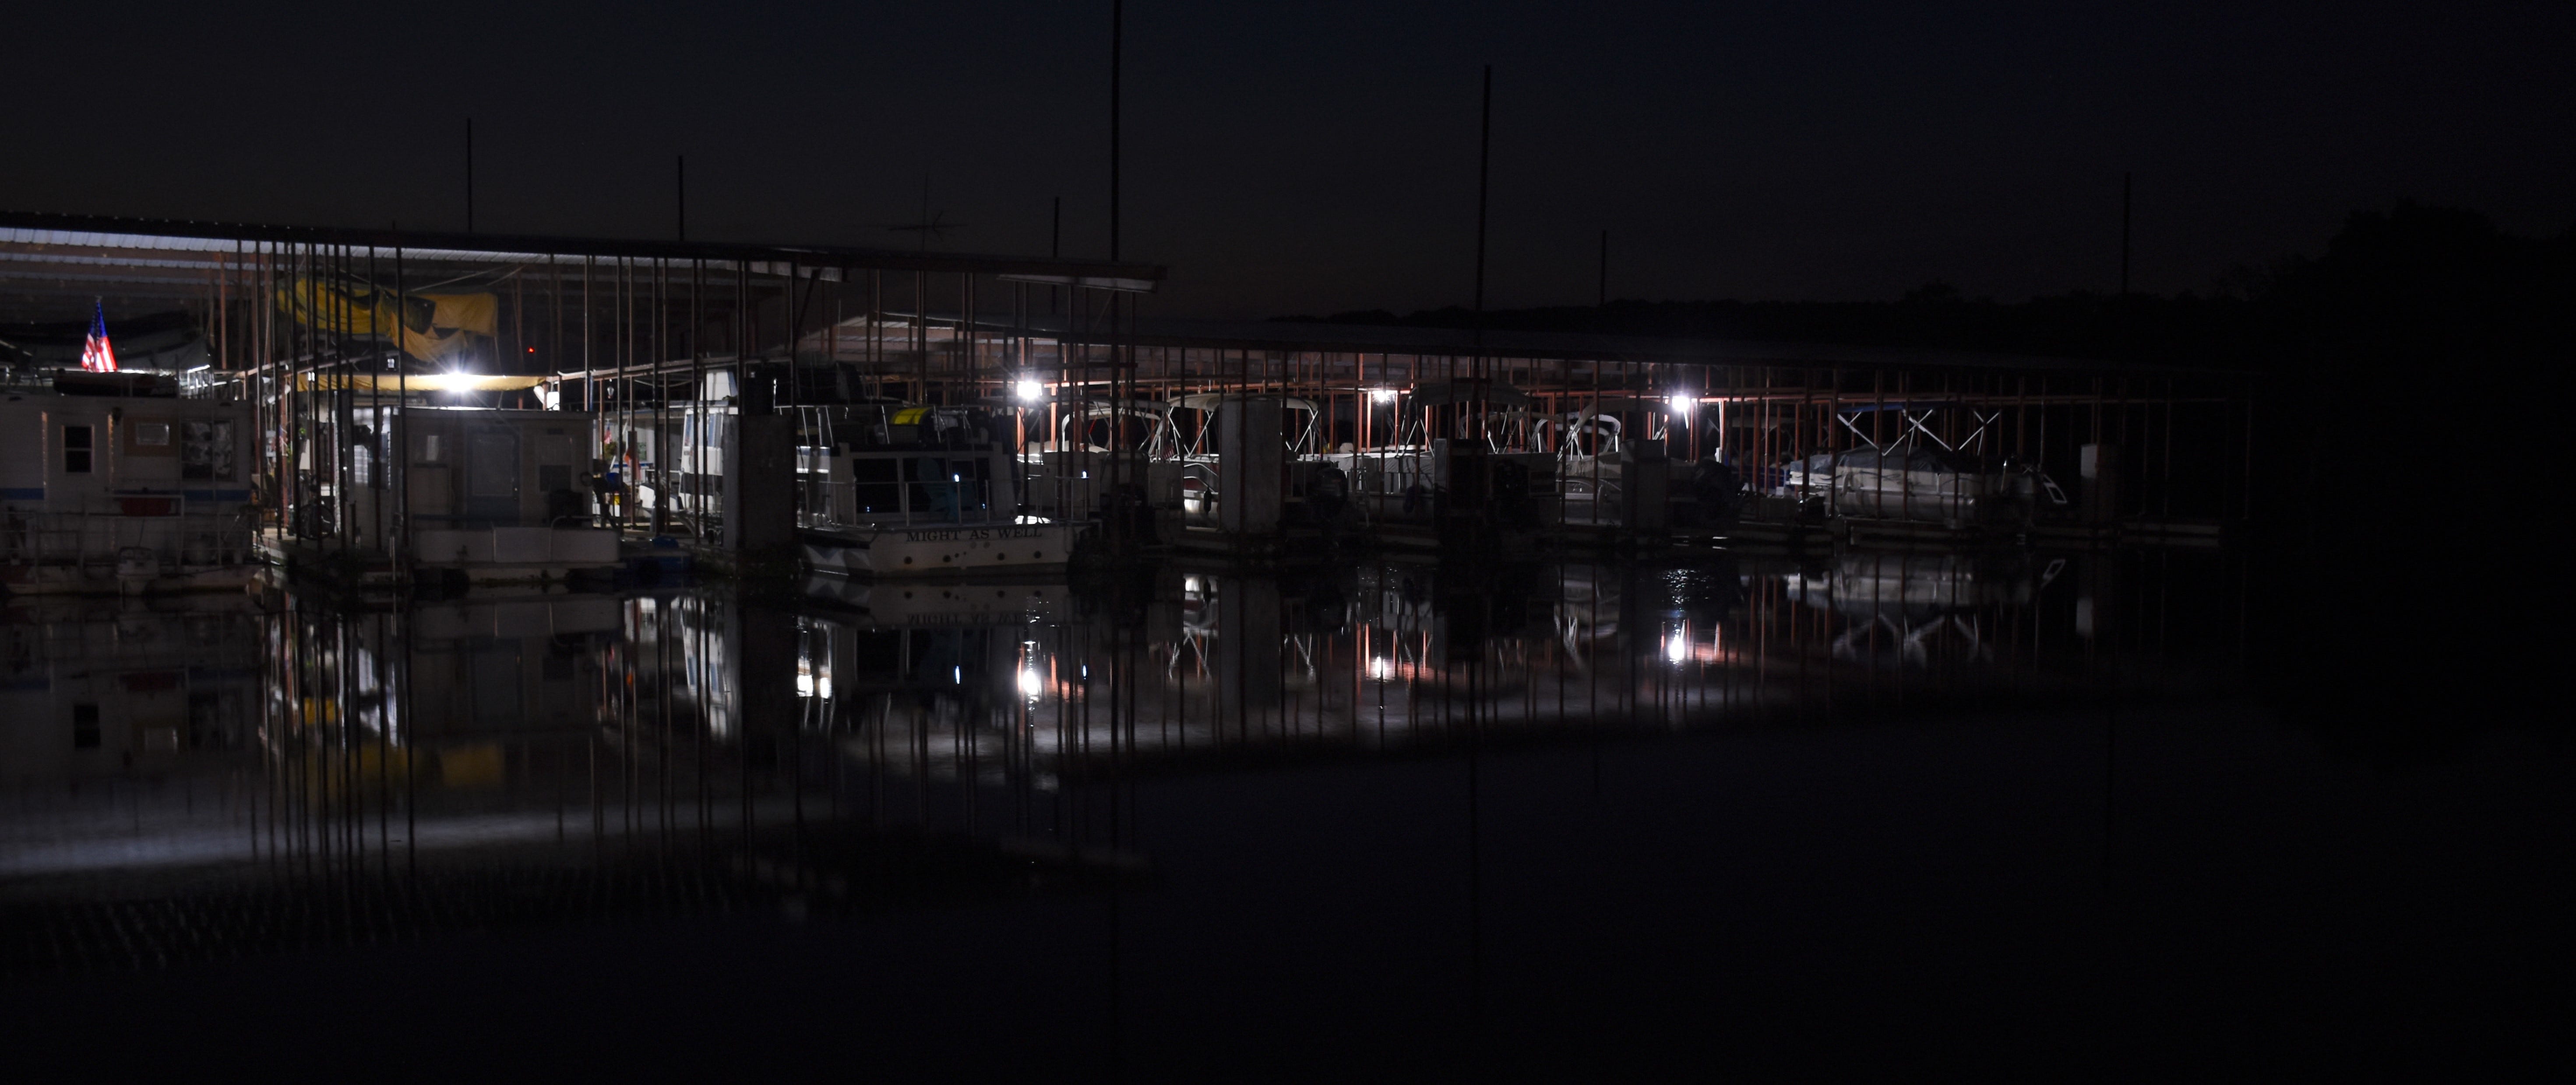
(1029, 391)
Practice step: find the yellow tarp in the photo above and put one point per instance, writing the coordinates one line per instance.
(432, 327)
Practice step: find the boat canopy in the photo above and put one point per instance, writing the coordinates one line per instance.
(1909, 458)
(1491, 393)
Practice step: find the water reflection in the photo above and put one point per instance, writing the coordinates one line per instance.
(229, 775)
(1207, 663)
(1904, 609)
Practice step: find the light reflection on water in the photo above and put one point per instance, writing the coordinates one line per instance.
(181, 773)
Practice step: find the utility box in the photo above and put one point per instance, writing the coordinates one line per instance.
(1644, 477)
(1465, 481)
(1465, 488)
(1251, 464)
(760, 486)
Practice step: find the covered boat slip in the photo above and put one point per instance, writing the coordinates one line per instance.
(776, 406)
(409, 412)
(1421, 437)
(1577, 439)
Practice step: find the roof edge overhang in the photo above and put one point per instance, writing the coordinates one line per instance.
(1582, 348)
(814, 261)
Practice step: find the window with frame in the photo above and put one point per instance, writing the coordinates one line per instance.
(946, 488)
(206, 451)
(875, 486)
(77, 449)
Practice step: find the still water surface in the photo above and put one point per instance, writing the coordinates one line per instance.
(1398, 819)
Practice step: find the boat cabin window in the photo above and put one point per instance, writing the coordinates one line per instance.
(429, 451)
(929, 487)
(76, 450)
(876, 485)
(945, 487)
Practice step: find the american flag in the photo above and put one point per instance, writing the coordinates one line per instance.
(96, 355)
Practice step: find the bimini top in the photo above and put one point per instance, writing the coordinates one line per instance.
(1909, 458)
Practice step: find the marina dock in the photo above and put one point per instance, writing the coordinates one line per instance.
(404, 411)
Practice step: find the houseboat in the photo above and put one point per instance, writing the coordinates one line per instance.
(112, 483)
(475, 495)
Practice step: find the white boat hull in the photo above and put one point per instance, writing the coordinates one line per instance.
(937, 551)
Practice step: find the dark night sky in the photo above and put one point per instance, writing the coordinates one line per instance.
(1321, 156)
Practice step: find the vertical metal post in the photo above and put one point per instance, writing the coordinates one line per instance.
(661, 522)
(1117, 36)
(2124, 235)
(401, 451)
(693, 480)
(344, 403)
(589, 369)
(1484, 159)
(379, 440)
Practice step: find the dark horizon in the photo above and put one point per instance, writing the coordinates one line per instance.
(1323, 160)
